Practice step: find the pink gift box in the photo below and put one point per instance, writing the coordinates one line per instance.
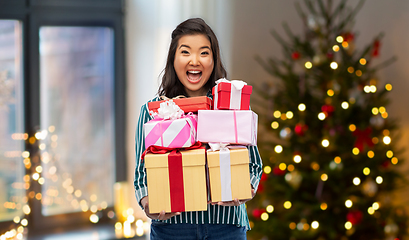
(227, 126)
(176, 133)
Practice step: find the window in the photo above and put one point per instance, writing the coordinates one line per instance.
(12, 171)
(62, 131)
(77, 118)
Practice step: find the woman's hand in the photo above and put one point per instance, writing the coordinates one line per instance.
(235, 202)
(161, 216)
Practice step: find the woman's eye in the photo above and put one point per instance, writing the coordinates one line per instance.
(185, 52)
(205, 53)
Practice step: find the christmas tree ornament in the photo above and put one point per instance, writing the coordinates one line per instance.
(328, 109)
(300, 129)
(257, 213)
(391, 229)
(285, 133)
(294, 178)
(369, 187)
(277, 171)
(315, 22)
(354, 217)
(295, 55)
(318, 59)
(377, 121)
(375, 48)
(363, 137)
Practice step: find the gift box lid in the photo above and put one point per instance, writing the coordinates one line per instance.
(237, 156)
(226, 87)
(195, 157)
(191, 104)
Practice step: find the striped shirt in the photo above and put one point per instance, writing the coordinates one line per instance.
(215, 214)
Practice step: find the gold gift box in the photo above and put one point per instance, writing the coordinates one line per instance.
(240, 174)
(194, 181)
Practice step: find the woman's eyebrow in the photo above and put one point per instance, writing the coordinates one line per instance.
(187, 46)
(183, 45)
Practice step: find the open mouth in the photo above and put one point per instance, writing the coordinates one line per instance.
(194, 76)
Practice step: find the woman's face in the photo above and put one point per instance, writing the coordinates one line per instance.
(194, 63)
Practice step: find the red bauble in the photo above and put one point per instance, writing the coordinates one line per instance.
(277, 171)
(260, 188)
(354, 216)
(295, 55)
(375, 50)
(257, 212)
(327, 109)
(348, 37)
(300, 129)
(263, 177)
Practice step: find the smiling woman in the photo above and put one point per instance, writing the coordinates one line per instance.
(194, 63)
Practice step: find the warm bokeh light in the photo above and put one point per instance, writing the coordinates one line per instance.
(274, 125)
(297, 158)
(379, 180)
(321, 116)
(348, 203)
(282, 166)
(356, 181)
(337, 160)
(308, 65)
(301, 107)
(278, 149)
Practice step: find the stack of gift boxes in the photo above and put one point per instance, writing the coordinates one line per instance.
(177, 163)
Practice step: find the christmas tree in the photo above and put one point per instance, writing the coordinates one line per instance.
(331, 162)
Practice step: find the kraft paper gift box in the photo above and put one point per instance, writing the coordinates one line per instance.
(192, 104)
(233, 95)
(229, 174)
(175, 133)
(177, 181)
(227, 126)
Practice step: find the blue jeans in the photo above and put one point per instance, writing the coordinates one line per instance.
(186, 231)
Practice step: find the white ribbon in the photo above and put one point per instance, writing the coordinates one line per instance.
(225, 168)
(235, 92)
(168, 110)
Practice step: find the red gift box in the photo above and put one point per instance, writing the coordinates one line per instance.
(192, 104)
(227, 97)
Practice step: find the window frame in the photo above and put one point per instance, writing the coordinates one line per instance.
(88, 13)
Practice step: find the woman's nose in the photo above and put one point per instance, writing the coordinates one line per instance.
(194, 60)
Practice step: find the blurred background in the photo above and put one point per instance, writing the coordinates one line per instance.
(74, 74)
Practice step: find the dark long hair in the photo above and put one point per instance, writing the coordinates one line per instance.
(171, 86)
